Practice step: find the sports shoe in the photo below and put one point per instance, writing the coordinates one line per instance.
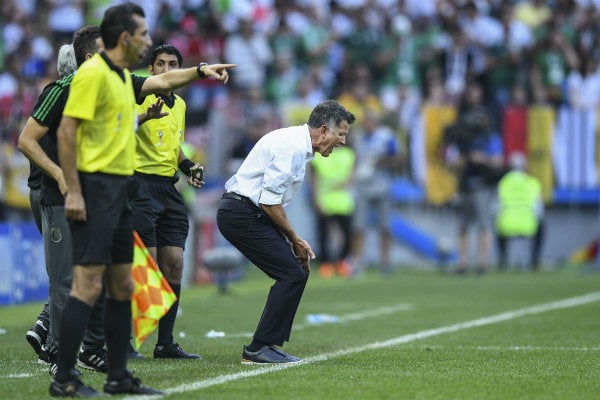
(326, 270)
(53, 368)
(128, 385)
(174, 351)
(94, 360)
(133, 353)
(47, 356)
(267, 355)
(344, 268)
(44, 356)
(72, 388)
(36, 336)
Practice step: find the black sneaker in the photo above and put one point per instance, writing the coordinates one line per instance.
(133, 353)
(128, 385)
(268, 355)
(52, 369)
(72, 388)
(44, 356)
(174, 351)
(94, 360)
(48, 357)
(36, 336)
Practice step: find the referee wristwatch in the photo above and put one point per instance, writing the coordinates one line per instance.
(199, 70)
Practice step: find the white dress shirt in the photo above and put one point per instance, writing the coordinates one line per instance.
(274, 170)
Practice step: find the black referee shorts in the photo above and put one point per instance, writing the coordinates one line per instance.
(159, 213)
(106, 237)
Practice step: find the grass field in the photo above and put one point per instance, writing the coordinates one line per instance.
(417, 334)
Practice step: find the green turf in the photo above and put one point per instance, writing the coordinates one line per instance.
(548, 355)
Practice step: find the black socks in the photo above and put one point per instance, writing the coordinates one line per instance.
(117, 326)
(73, 321)
(167, 322)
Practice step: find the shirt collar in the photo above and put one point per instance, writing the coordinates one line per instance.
(309, 150)
(169, 100)
(112, 66)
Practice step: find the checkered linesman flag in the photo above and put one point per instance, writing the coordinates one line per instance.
(152, 296)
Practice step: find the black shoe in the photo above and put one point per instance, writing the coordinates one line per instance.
(72, 388)
(94, 360)
(52, 369)
(174, 351)
(36, 336)
(44, 356)
(128, 385)
(133, 353)
(47, 356)
(268, 354)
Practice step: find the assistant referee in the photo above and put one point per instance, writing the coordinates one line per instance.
(159, 213)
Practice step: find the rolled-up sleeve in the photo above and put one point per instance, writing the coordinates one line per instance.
(270, 198)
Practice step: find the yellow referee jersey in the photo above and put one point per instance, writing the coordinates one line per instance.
(102, 97)
(158, 140)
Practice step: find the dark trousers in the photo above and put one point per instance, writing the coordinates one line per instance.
(59, 265)
(249, 229)
(54, 227)
(325, 223)
(536, 247)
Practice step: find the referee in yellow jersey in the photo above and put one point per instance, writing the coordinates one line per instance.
(96, 147)
(159, 213)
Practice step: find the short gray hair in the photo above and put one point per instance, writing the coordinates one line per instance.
(66, 62)
(329, 113)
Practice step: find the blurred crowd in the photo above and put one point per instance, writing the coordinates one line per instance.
(381, 58)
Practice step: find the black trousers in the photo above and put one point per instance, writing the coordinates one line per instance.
(249, 229)
(325, 223)
(535, 246)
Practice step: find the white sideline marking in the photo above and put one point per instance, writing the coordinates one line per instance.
(22, 375)
(493, 319)
(519, 348)
(344, 318)
(538, 348)
(376, 312)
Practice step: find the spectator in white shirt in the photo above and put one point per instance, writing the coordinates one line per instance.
(480, 28)
(250, 50)
(584, 86)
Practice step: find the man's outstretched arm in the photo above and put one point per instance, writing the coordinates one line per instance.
(177, 78)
